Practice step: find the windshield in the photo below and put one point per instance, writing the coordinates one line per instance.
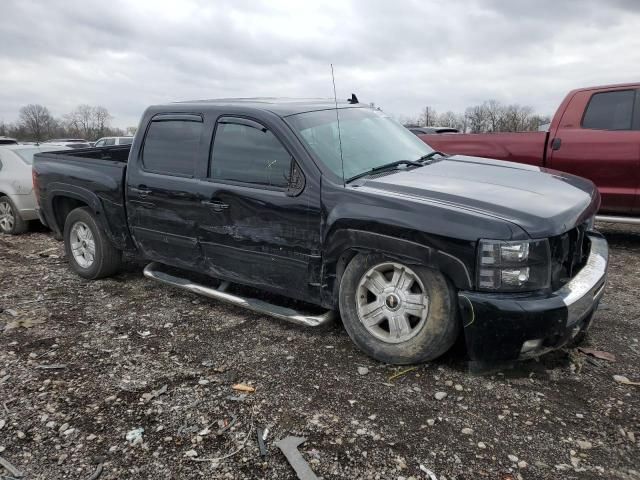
(26, 154)
(369, 139)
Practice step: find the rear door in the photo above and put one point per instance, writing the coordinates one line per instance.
(264, 218)
(599, 138)
(163, 193)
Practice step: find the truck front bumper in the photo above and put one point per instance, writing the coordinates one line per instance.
(504, 327)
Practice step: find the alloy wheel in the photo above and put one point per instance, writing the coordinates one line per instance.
(392, 302)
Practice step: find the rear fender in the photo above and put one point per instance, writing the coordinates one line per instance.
(103, 211)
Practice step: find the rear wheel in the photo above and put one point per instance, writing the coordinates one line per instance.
(90, 253)
(397, 313)
(11, 222)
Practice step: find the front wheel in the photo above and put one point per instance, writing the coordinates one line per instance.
(397, 313)
(90, 253)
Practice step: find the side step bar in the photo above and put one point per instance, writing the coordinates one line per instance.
(614, 219)
(300, 318)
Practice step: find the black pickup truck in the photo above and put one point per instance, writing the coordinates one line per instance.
(338, 208)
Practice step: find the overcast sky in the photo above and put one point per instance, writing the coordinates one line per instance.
(401, 55)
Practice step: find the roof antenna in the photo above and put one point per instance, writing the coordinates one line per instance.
(335, 99)
(353, 100)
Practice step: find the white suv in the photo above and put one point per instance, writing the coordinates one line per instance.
(109, 141)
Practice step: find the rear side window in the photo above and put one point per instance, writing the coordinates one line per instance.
(249, 155)
(171, 147)
(126, 141)
(610, 111)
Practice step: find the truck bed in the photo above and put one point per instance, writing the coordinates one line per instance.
(118, 153)
(94, 177)
(521, 147)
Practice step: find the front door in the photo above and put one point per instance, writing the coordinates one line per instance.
(603, 146)
(163, 193)
(265, 221)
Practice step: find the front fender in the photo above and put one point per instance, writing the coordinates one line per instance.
(353, 240)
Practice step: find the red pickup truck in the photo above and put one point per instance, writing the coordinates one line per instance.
(595, 133)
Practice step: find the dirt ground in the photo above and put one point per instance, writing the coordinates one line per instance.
(82, 364)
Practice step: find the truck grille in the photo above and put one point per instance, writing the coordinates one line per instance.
(569, 253)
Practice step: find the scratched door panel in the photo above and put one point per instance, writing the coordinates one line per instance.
(264, 238)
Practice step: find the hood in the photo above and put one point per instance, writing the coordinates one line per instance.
(542, 202)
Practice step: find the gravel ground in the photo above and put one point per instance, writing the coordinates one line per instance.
(82, 364)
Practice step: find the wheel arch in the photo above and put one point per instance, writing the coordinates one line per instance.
(344, 244)
(63, 200)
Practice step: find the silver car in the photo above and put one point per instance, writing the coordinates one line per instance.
(17, 201)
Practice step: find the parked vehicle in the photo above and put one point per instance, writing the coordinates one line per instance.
(66, 140)
(69, 142)
(595, 133)
(8, 141)
(17, 201)
(110, 141)
(409, 245)
(429, 130)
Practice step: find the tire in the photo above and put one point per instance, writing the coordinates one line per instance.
(11, 222)
(428, 322)
(95, 256)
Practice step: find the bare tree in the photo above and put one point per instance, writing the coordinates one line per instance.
(477, 119)
(495, 113)
(515, 118)
(536, 121)
(451, 119)
(37, 121)
(102, 120)
(88, 122)
(428, 117)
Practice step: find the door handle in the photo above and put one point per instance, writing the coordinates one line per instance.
(142, 190)
(215, 205)
(556, 143)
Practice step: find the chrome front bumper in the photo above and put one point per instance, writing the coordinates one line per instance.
(504, 327)
(587, 287)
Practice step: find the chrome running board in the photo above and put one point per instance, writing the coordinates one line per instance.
(300, 318)
(614, 219)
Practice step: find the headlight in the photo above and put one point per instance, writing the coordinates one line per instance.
(513, 266)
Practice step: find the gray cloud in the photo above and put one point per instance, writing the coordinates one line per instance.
(400, 55)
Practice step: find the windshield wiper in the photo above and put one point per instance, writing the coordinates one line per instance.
(386, 167)
(430, 155)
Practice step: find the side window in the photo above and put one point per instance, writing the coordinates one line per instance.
(100, 143)
(126, 141)
(109, 141)
(610, 111)
(249, 155)
(171, 147)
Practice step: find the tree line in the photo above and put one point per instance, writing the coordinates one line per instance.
(36, 123)
(489, 116)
